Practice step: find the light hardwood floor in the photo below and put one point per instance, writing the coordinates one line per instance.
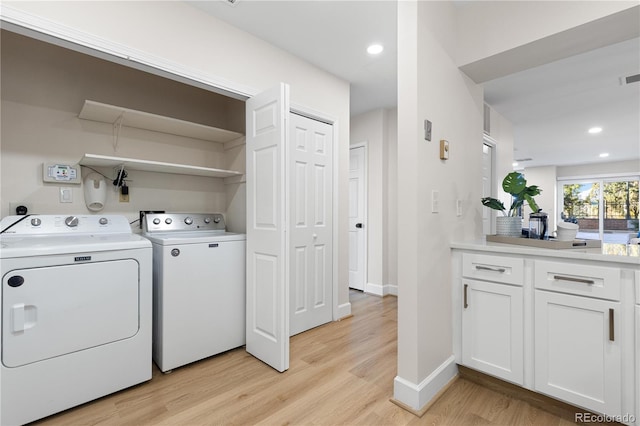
(340, 374)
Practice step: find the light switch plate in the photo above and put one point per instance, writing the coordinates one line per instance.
(66, 195)
(458, 208)
(435, 201)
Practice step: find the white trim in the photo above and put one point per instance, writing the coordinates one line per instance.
(493, 144)
(344, 310)
(365, 145)
(417, 396)
(374, 289)
(380, 290)
(62, 35)
(391, 289)
(600, 176)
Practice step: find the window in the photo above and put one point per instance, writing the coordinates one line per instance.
(605, 209)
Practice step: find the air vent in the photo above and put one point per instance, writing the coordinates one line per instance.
(520, 160)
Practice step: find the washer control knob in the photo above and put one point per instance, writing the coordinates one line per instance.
(156, 221)
(71, 221)
(168, 221)
(175, 252)
(216, 219)
(188, 220)
(36, 221)
(207, 220)
(103, 221)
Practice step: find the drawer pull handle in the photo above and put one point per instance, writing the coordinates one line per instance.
(488, 268)
(466, 305)
(575, 280)
(612, 336)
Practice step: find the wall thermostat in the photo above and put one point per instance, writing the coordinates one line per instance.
(61, 173)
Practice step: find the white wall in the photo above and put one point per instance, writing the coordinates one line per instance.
(430, 86)
(538, 32)
(596, 169)
(378, 129)
(186, 40)
(503, 138)
(483, 26)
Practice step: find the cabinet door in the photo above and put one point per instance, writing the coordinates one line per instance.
(492, 329)
(577, 351)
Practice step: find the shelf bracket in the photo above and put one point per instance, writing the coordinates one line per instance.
(117, 125)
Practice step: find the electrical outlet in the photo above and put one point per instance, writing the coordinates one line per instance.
(124, 198)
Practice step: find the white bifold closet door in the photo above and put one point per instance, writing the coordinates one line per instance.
(311, 227)
(267, 216)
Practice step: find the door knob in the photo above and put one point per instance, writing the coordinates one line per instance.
(358, 225)
(315, 236)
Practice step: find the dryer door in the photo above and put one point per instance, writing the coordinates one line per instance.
(56, 310)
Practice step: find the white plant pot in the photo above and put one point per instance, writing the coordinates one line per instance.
(509, 226)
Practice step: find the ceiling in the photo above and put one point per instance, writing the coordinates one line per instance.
(332, 35)
(550, 106)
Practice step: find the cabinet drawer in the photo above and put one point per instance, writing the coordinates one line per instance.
(585, 280)
(500, 269)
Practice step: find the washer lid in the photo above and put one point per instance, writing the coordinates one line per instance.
(173, 238)
(41, 245)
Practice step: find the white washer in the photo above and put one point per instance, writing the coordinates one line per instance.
(76, 312)
(199, 287)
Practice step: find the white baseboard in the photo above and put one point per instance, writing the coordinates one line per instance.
(344, 310)
(380, 290)
(419, 395)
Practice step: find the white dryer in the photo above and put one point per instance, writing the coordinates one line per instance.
(199, 287)
(76, 312)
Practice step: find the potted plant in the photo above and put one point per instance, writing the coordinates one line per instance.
(510, 224)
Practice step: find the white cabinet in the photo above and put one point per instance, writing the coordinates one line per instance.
(492, 316)
(492, 329)
(577, 339)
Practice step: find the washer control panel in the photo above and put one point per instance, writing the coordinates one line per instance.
(164, 222)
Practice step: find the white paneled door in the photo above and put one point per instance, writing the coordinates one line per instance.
(311, 206)
(357, 206)
(267, 277)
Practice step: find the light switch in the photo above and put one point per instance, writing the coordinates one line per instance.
(66, 195)
(435, 201)
(458, 208)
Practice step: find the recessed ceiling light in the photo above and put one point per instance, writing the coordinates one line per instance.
(595, 130)
(514, 164)
(604, 155)
(375, 49)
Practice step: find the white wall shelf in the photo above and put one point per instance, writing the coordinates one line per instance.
(120, 116)
(96, 160)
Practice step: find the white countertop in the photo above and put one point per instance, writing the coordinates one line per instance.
(616, 253)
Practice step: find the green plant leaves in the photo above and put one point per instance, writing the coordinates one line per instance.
(514, 183)
(493, 203)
